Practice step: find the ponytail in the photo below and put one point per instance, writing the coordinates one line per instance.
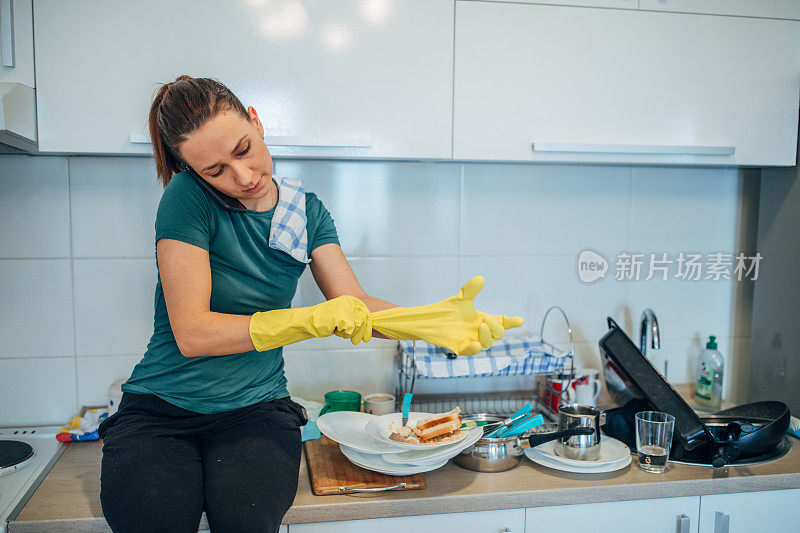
(179, 109)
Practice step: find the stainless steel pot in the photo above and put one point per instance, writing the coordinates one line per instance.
(501, 454)
(581, 447)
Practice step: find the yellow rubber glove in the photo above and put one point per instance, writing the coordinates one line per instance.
(452, 323)
(345, 316)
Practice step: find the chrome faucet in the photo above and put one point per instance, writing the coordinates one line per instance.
(649, 319)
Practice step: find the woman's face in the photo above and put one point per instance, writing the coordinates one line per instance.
(229, 152)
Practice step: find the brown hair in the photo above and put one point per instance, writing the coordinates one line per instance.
(178, 110)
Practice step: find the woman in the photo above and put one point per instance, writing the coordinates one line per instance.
(206, 422)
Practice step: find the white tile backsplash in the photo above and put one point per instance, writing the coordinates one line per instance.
(36, 308)
(37, 391)
(113, 305)
(414, 233)
(113, 206)
(34, 207)
(96, 373)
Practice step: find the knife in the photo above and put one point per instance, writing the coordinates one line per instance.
(406, 407)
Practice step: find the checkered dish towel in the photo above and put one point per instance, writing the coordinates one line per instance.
(510, 356)
(287, 232)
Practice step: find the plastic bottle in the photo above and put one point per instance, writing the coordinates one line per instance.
(710, 368)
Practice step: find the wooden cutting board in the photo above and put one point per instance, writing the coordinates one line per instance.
(329, 469)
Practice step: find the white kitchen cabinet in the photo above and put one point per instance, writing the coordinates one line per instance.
(616, 4)
(783, 9)
(328, 79)
(772, 510)
(623, 86)
(510, 521)
(16, 42)
(654, 516)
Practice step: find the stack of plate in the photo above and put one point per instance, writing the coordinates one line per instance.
(364, 440)
(613, 456)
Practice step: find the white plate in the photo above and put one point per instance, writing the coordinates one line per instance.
(544, 460)
(347, 427)
(612, 451)
(424, 457)
(376, 464)
(379, 428)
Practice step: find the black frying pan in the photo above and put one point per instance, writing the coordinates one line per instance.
(747, 430)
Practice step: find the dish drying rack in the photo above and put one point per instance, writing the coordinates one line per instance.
(501, 403)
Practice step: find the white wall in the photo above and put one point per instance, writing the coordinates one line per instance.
(77, 271)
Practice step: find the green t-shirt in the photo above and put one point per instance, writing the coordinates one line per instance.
(246, 276)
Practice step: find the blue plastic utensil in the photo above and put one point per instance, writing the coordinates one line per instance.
(525, 409)
(406, 407)
(521, 427)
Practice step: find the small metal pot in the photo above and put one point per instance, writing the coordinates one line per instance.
(582, 447)
(501, 454)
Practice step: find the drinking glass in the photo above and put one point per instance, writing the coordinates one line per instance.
(653, 440)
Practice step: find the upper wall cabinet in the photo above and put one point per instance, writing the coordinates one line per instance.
(350, 78)
(551, 83)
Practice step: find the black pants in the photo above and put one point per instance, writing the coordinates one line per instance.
(163, 466)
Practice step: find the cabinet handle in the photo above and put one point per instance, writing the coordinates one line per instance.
(652, 149)
(317, 142)
(506, 530)
(7, 32)
(685, 524)
(722, 522)
(310, 142)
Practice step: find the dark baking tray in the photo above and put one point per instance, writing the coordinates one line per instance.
(643, 381)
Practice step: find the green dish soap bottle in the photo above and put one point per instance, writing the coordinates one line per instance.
(710, 368)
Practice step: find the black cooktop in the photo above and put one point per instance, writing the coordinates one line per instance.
(13, 452)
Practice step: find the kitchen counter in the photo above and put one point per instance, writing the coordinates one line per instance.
(68, 500)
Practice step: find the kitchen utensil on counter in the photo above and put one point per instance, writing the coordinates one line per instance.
(349, 428)
(653, 440)
(332, 473)
(500, 454)
(636, 385)
(518, 428)
(583, 447)
(406, 407)
(612, 452)
(341, 400)
(379, 403)
(521, 413)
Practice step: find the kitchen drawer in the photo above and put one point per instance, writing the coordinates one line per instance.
(328, 79)
(510, 521)
(653, 516)
(683, 85)
(773, 510)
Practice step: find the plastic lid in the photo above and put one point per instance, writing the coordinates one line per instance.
(712, 342)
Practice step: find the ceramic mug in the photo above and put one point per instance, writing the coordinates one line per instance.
(379, 403)
(585, 388)
(555, 391)
(341, 400)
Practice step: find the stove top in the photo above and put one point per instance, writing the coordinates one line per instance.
(25, 458)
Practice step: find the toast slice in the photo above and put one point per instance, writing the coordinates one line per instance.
(440, 418)
(444, 428)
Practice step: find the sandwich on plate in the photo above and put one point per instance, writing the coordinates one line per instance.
(435, 429)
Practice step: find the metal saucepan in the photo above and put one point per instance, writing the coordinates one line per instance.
(584, 447)
(501, 454)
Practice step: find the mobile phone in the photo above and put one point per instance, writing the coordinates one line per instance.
(228, 202)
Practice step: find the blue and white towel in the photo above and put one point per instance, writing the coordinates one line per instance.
(287, 232)
(510, 356)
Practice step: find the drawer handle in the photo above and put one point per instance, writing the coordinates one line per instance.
(304, 142)
(685, 524)
(652, 149)
(722, 522)
(343, 490)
